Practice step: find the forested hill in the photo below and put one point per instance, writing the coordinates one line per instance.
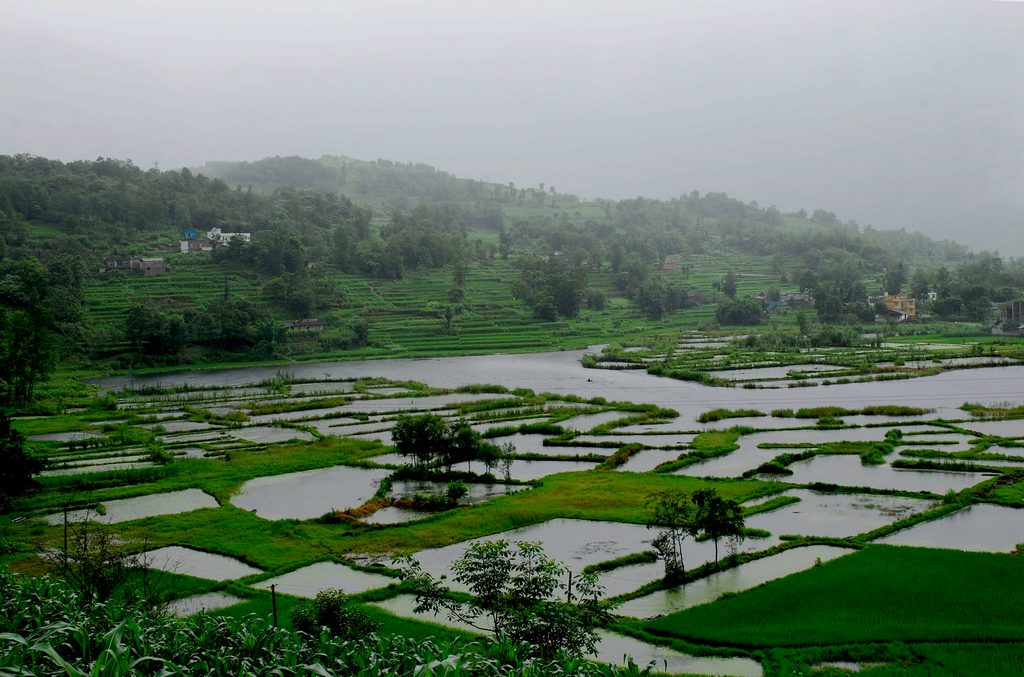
(383, 183)
(387, 185)
(422, 263)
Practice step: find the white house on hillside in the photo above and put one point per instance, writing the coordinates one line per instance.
(217, 235)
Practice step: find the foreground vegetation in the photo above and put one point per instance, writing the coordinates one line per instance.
(46, 628)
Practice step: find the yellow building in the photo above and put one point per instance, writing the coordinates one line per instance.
(905, 305)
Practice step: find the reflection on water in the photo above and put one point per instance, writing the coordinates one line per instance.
(188, 562)
(648, 460)
(749, 456)
(308, 581)
(848, 471)
(189, 606)
(1013, 428)
(579, 543)
(526, 471)
(478, 493)
(982, 528)
(310, 493)
(611, 648)
(837, 515)
(534, 444)
(736, 579)
(574, 542)
(587, 422)
(151, 505)
(394, 515)
(561, 373)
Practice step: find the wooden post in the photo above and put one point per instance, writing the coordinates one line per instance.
(273, 601)
(65, 535)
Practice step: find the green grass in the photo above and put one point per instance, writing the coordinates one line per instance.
(281, 545)
(715, 442)
(880, 594)
(963, 659)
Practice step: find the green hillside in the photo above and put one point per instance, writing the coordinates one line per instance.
(399, 259)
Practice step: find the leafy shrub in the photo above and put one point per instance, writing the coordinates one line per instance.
(330, 609)
(456, 491)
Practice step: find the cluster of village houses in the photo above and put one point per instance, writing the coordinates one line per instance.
(191, 243)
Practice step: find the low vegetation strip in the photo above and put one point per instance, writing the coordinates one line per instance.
(880, 594)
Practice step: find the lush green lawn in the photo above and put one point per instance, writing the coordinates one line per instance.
(880, 594)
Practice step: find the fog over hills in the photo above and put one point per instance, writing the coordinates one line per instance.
(890, 113)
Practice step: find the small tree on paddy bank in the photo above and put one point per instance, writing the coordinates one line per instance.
(428, 440)
(678, 514)
(672, 512)
(716, 517)
(519, 594)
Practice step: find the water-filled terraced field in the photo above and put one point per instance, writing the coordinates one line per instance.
(288, 477)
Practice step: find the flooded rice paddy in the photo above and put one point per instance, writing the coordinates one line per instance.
(612, 648)
(393, 514)
(587, 422)
(269, 434)
(680, 440)
(526, 443)
(126, 509)
(308, 581)
(836, 515)
(982, 528)
(370, 413)
(96, 468)
(528, 470)
(188, 562)
(310, 493)
(210, 601)
(999, 428)
(560, 373)
(647, 460)
(228, 410)
(477, 492)
(576, 543)
(848, 471)
(733, 580)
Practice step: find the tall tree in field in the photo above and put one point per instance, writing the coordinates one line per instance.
(17, 466)
(729, 285)
(423, 437)
(26, 353)
(672, 512)
(717, 517)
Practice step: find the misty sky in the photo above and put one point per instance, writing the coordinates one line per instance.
(887, 112)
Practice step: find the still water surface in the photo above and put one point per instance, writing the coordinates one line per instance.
(561, 373)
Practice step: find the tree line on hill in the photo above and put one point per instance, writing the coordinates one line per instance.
(401, 185)
(102, 208)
